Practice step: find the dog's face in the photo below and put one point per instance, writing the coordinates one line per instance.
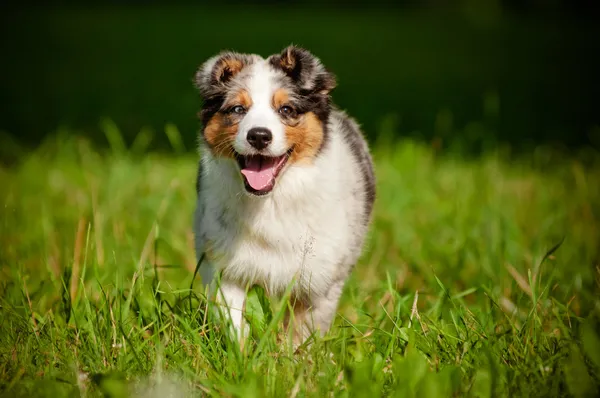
(265, 114)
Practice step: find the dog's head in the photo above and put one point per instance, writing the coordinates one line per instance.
(265, 114)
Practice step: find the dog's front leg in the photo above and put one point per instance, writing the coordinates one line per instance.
(231, 298)
(317, 315)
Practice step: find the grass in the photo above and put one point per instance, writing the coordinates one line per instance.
(480, 278)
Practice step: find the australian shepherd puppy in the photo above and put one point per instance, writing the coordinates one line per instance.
(285, 185)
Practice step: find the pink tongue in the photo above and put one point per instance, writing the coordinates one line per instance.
(260, 170)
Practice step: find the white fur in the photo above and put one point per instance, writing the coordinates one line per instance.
(308, 231)
(261, 88)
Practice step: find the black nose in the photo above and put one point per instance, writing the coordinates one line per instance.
(259, 137)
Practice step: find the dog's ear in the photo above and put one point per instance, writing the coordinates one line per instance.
(213, 75)
(304, 69)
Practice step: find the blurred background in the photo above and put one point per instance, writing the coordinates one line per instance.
(468, 73)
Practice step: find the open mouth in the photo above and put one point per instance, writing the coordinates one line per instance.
(260, 172)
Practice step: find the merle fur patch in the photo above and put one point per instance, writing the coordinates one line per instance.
(361, 153)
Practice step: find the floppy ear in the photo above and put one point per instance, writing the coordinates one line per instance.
(213, 75)
(304, 69)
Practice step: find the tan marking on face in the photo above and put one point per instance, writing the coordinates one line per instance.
(280, 98)
(241, 98)
(221, 129)
(220, 134)
(306, 137)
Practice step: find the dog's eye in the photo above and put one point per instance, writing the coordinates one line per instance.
(286, 110)
(238, 109)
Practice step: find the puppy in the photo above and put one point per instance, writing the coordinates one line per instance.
(285, 185)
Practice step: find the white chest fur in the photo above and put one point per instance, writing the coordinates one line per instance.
(304, 232)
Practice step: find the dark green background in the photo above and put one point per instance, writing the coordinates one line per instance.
(477, 71)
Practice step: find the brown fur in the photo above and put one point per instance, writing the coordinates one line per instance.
(306, 136)
(219, 134)
(304, 132)
(221, 129)
(227, 68)
(280, 98)
(288, 61)
(241, 98)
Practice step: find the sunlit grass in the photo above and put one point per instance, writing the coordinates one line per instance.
(480, 278)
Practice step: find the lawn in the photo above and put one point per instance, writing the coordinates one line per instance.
(481, 277)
